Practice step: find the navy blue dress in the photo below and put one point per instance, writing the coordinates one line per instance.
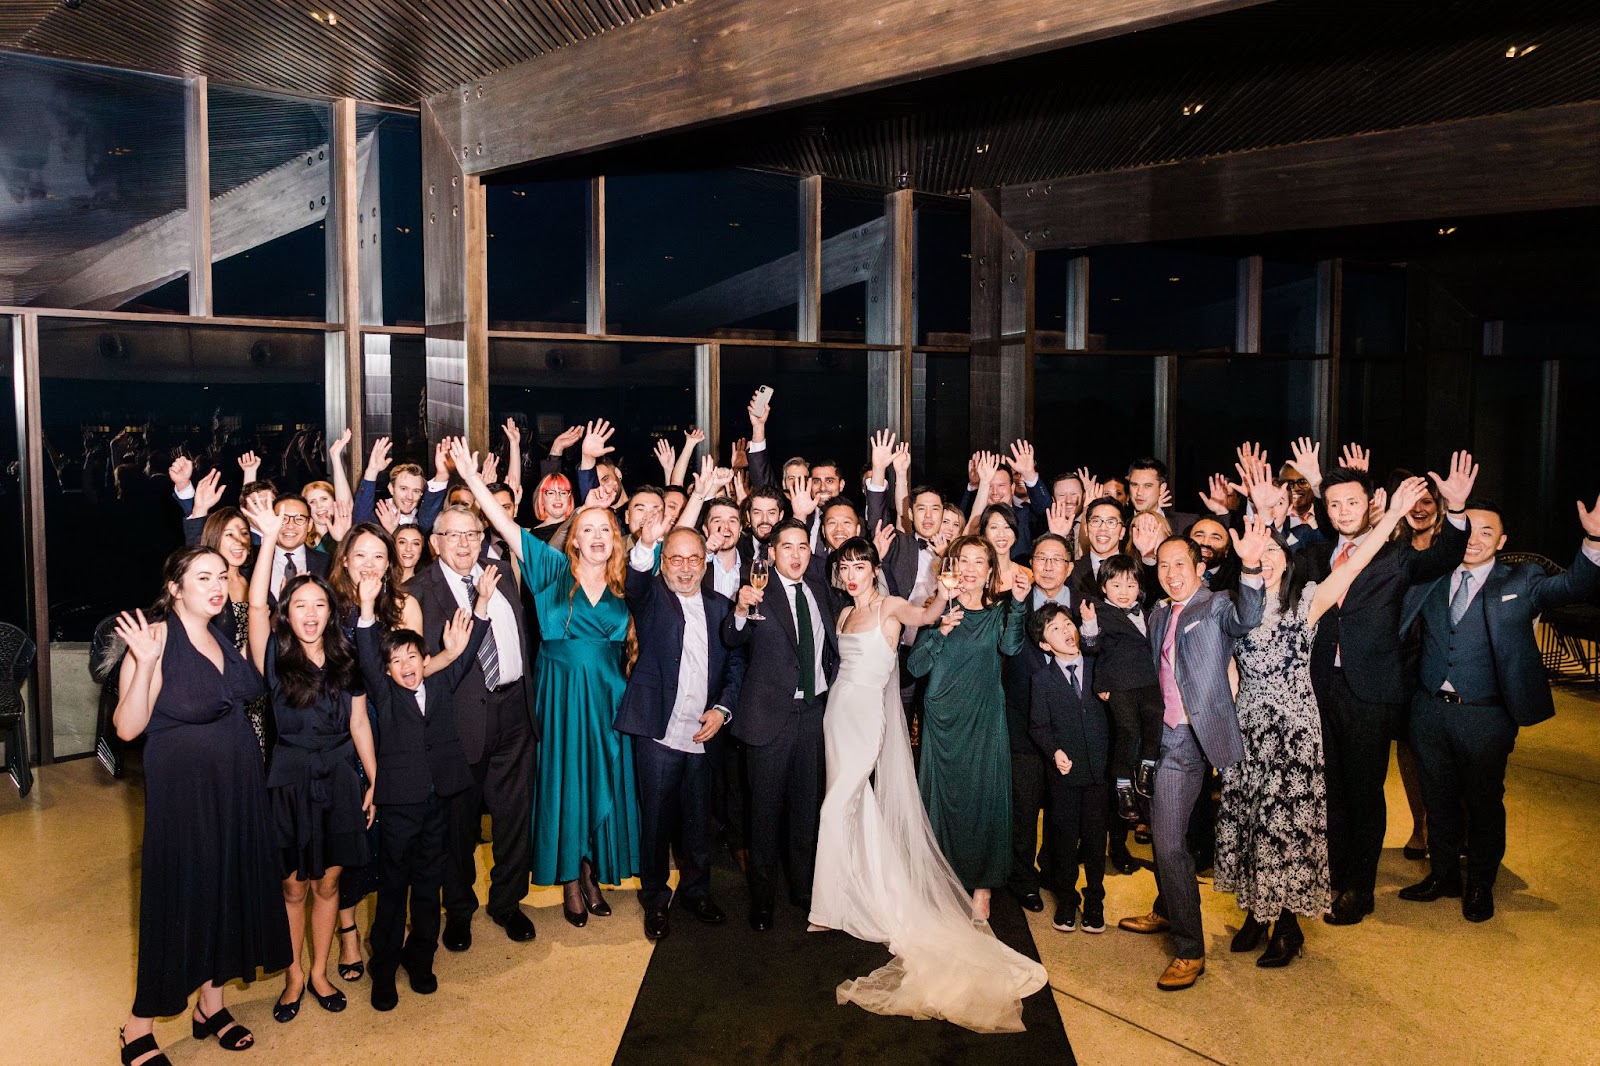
(211, 895)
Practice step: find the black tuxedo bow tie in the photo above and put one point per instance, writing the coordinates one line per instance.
(922, 544)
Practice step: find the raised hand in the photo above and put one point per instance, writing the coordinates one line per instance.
(249, 465)
(388, 515)
(1022, 462)
(595, 436)
(513, 432)
(262, 518)
(749, 596)
(145, 640)
(1266, 496)
(338, 446)
(379, 460)
(693, 437)
(466, 461)
(491, 469)
(666, 457)
(1091, 487)
(654, 531)
(181, 472)
(758, 418)
(368, 589)
(565, 439)
(950, 619)
(1355, 457)
(1021, 584)
(1456, 489)
(881, 444)
(1087, 612)
(1304, 457)
(602, 496)
(883, 538)
(740, 458)
(1146, 534)
(1250, 547)
(458, 632)
(1059, 519)
(1218, 497)
(1406, 495)
(1165, 502)
(344, 516)
(801, 502)
(1252, 462)
(441, 458)
(987, 466)
(1589, 519)
(487, 580)
(901, 462)
(207, 494)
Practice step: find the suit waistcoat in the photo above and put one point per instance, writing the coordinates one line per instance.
(1460, 653)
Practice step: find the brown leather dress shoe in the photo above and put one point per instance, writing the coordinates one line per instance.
(1181, 973)
(1146, 923)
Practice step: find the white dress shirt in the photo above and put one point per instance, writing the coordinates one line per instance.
(502, 621)
(725, 579)
(694, 669)
(818, 634)
(279, 565)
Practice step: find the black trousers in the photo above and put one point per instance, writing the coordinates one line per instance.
(1078, 832)
(674, 804)
(502, 781)
(730, 788)
(786, 780)
(1027, 800)
(1462, 751)
(411, 861)
(1356, 736)
(1136, 725)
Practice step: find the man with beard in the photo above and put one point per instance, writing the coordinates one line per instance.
(1147, 485)
(1220, 571)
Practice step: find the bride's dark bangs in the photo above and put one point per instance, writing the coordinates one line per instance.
(857, 549)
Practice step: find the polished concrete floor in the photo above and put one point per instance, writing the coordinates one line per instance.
(1413, 982)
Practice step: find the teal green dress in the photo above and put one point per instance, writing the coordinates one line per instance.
(584, 804)
(965, 772)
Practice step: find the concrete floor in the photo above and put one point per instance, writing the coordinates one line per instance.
(1413, 981)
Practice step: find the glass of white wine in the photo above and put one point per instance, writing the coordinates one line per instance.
(758, 580)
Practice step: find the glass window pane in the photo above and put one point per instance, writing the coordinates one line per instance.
(13, 589)
(697, 254)
(644, 390)
(117, 399)
(945, 427)
(1224, 402)
(1507, 435)
(1150, 297)
(1374, 311)
(1050, 296)
(944, 273)
(390, 142)
(1289, 307)
(1372, 410)
(94, 212)
(1093, 410)
(270, 187)
(396, 387)
(819, 402)
(852, 249)
(538, 255)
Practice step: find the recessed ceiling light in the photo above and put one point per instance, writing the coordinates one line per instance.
(327, 18)
(1445, 231)
(982, 148)
(1193, 109)
(1174, 279)
(1518, 51)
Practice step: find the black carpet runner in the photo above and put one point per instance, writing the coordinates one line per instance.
(725, 993)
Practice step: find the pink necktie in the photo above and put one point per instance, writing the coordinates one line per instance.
(1174, 715)
(1342, 558)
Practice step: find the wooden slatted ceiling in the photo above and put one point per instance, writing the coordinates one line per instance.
(385, 51)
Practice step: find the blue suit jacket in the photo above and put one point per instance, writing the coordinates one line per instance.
(658, 624)
(1512, 596)
(1207, 629)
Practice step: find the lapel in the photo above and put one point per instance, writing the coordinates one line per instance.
(1418, 597)
(780, 610)
(1191, 612)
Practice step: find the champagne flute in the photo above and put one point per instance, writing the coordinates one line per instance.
(758, 580)
(947, 574)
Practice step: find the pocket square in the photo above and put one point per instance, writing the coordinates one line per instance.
(1508, 596)
(1191, 625)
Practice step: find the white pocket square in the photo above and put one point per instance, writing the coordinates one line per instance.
(1511, 596)
(1191, 625)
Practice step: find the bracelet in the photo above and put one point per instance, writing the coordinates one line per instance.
(1451, 511)
(1593, 539)
(1251, 570)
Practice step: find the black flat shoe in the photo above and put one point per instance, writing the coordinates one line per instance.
(1031, 901)
(1281, 949)
(1414, 854)
(1477, 905)
(1144, 782)
(457, 933)
(1249, 937)
(142, 1046)
(287, 1012)
(761, 919)
(332, 1004)
(238, 1038)
(351, 971)
(655, 925)
(705, 910)
(423, 982)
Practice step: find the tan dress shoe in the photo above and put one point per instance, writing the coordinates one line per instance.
(1181, 973)
(1145, 923)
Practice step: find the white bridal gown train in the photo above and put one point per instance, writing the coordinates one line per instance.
(880, 875)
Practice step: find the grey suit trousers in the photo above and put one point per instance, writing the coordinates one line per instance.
(1180, 774)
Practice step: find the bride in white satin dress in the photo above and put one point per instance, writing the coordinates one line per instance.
(880, 875)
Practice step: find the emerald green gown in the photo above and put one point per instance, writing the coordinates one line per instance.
(584, 804)
(965, 772)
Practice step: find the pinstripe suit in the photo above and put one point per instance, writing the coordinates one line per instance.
(1208, 624)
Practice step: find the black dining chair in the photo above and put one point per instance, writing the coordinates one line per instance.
(17, 651)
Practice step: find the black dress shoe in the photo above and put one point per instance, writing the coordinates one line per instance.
(1477, 905)
(1031, 901)
(655, 924)
(1250, 936)
(1282, 949)
(1431, 888)
(457, 933)
(518, 927)
(1414, 854)
(1144, 782)
(761, 918)
(577, 919)
(423, 982)
(597, 906)
(705, 909)
(1127, 803)
(1349, 908)
(384, 996)
(1122, 862)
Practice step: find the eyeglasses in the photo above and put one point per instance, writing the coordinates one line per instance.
(1300, 483)
(296, 519)
(683, 560)
(462, 536)
(1049, 560)
(558, 492)
(1102, 521)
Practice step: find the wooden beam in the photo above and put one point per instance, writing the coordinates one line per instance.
(810, 295)
(889, 316)
(595, 309)
(377, 385)
(1000, 400)
(25, 371)
(1247, 307)
(1077, 326)
(1523, 161)
(711, 60)
(342, 380)
(197, 163)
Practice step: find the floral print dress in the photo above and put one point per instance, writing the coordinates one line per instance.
(1272, 832)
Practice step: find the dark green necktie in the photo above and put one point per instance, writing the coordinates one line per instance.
(807, 644)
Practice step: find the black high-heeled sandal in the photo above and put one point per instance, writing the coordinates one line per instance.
(142, 1046)
(238, 1039)
(351, 971)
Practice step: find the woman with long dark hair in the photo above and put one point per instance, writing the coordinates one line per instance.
(410, 552)
(210, 910)
(998, 526)
(585, 809)
(320, 809)
(1272, 831)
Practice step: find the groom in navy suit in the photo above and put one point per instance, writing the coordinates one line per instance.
(682, 691)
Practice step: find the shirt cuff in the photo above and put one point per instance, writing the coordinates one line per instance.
(1253, 580)
(1592, 552)
(1457, 520)
(366, 623)
(1031, 483)
(755, 446)
(878, 486)
(1089, 629)
(438, 486)
(642, 558)
(184, 494)
(738, 622)
(727, 715)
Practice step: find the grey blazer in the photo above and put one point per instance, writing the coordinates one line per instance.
(1207, 629)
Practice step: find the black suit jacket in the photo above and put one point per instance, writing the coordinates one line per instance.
(659, 621)
(1019, 671)
(1121, 653)
(472, 696)
(772, 670)
(1365, 630)
(1062, 720)
(900, 565)
(416, 751)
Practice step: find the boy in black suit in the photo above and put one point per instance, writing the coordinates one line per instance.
(421, 764)
(1068, 723)
(1116, 633)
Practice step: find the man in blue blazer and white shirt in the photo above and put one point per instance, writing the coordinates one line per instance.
(1481, 678)
(1192, 636)
(682, 691)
